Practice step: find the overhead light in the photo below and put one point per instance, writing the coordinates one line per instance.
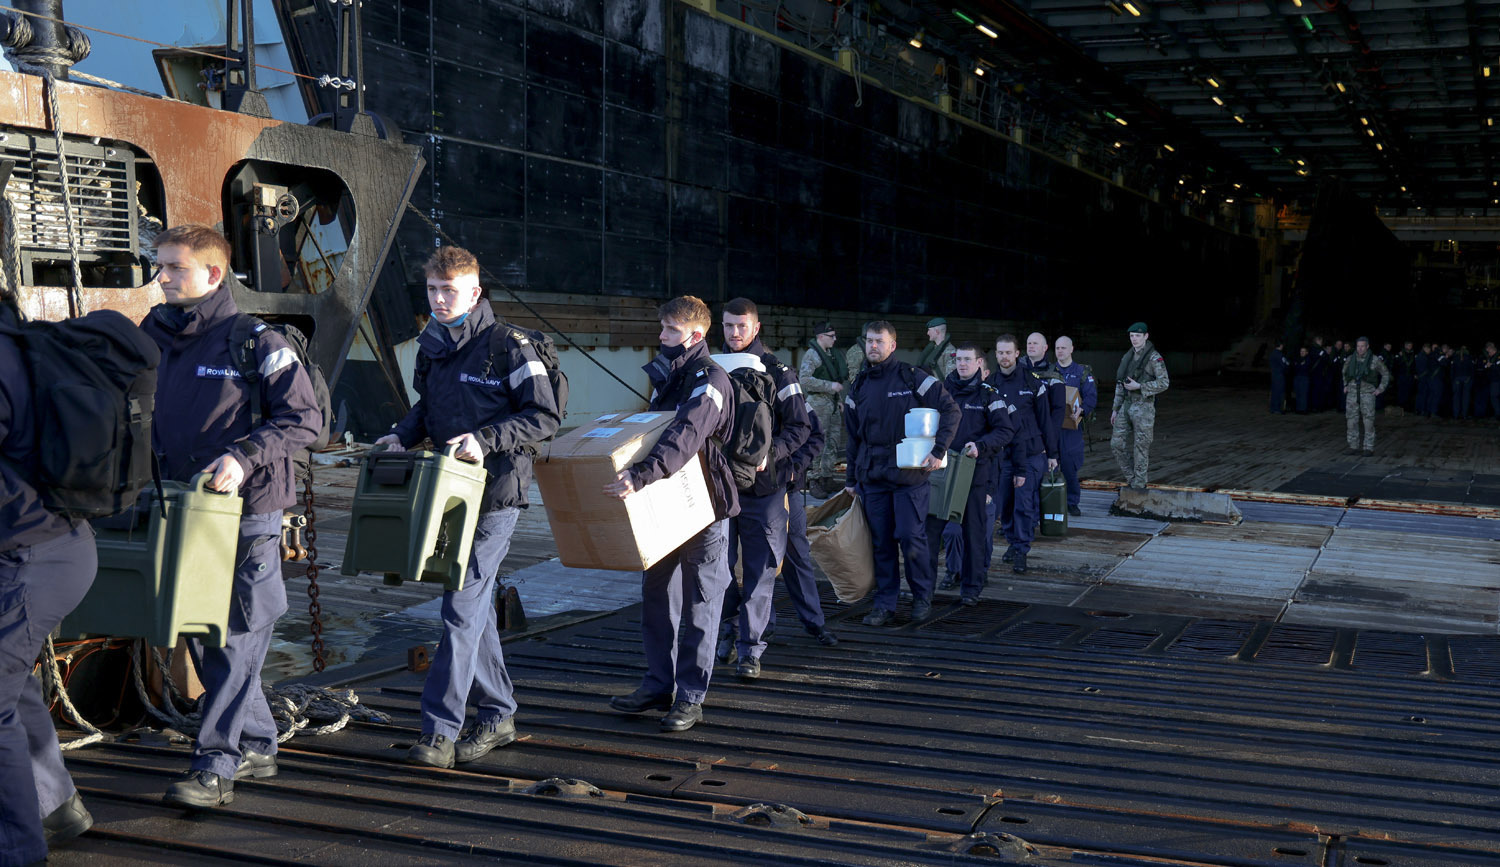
(1170, 149)
(979, 70)
(1307, 22)
(1301, 162)
(985, 29)
(1239, 119)
(1403, 189)
(1130, 7)
(1365, 121)
(1211, 82)
(1379, 146)
(1218, 101)
(1117, 119)
(1119, 144)
(916, 40)
(1297, 3)
(1340, 86)
(1229, 201)
(957, 13)
(1180, 182)
(1236, 186)
(1370, 133)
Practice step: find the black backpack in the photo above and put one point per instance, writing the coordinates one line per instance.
(749, 443)
(546, 352)
(243, 336)
(93, 389)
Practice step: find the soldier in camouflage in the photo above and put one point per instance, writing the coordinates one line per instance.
(854, 356)
(1142, 376)
(938, 358)
(824, 374)
(1365, 378)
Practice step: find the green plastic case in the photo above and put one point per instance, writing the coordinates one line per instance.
(414, 517)
(1054, 504)
(163, 576)
(950, 487)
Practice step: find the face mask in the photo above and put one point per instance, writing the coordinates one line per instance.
(672, 353)
(460, 320)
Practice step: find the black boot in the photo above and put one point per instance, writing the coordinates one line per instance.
(200, 789)
(1018, 565)
(641, 701)
(484, 737)
(433, 750)
(70, 819)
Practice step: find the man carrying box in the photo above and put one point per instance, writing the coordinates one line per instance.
(205, 422)
(484, 388)
(895, 499)
(984, 430)
(681, 595)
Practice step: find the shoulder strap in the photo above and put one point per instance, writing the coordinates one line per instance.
(244, 334)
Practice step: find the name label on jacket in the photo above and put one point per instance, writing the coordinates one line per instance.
(207, 372)
(481, 381)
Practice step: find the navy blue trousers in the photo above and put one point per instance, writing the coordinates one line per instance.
(898, 525)
(39, 586)
(236, 716)
(468, 662)
(1300, 386)
(973, 531)
(1278, 393)
(1020, 508)
(1070, 446)
(797, 573)
(1462, 390)
(680, 603)
(759, 534)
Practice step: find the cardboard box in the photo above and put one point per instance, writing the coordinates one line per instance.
(1074, 402)
(597, 531)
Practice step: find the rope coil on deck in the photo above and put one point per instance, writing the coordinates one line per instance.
(297, 708)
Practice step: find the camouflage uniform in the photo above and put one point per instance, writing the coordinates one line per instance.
(939, 359)
(1361, 383)
(854, 358)
(829, 409)
(1135, 412)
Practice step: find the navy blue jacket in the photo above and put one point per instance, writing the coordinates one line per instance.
(803, 457)
(689, 382)
(1463, 366)
(790, 425)
(1279, 365)
(1080, 377)
(1032, 415)
(875, 421)
(1055, 398)
(503, 398)
(203, 407)
(984, 420)
(23, 519)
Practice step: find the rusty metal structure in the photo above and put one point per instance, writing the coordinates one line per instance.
(135, 164)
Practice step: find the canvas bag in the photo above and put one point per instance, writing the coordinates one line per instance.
(845, 551)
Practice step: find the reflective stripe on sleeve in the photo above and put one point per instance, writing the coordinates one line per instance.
(927, 383)
(283, 357)
(713, 394)
(529, 369)
(790, 390)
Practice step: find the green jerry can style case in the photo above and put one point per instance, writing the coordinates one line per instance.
(166, 568)
(950, 487)
(414, 517)
(1054, 504)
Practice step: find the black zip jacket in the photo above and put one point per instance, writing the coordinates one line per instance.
(688, 381)
(23, 519)
(203, 404)
(506, 400)
(809, 452)
(875, 421)
(1030, 414)
(984, 420)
